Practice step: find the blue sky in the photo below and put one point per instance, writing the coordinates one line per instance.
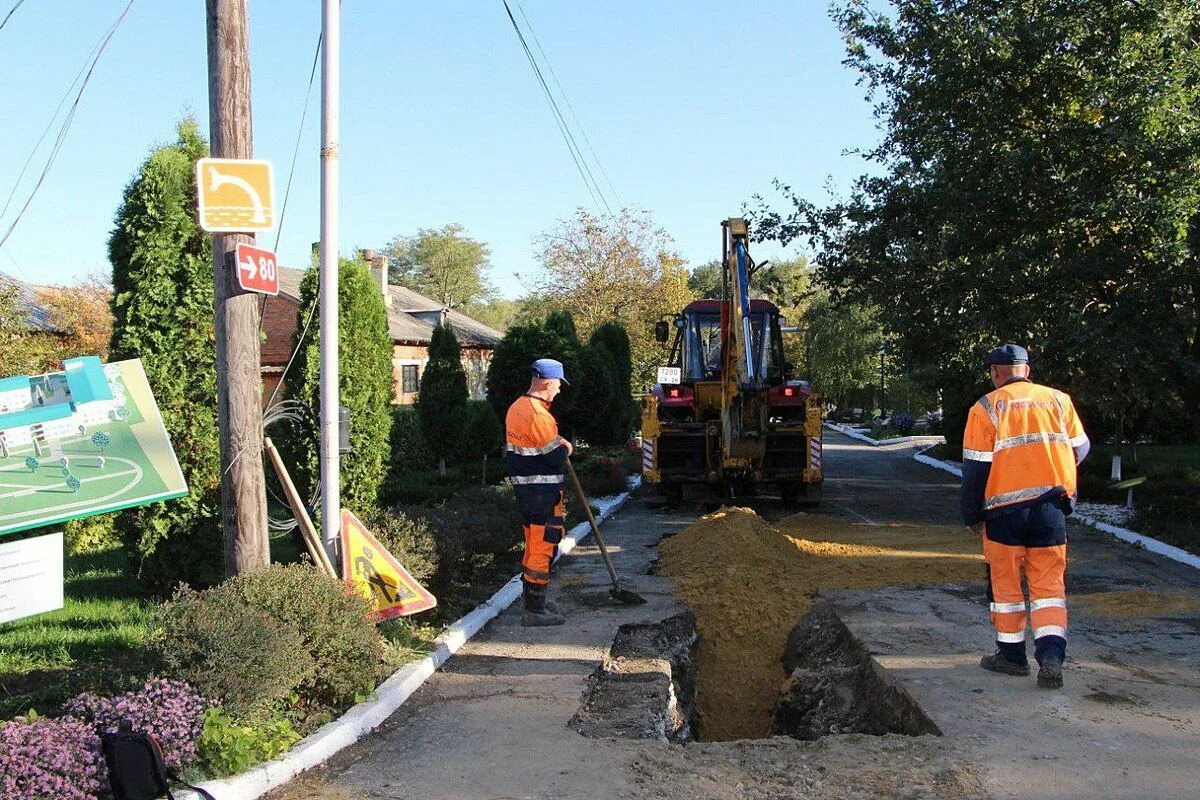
(692, 106)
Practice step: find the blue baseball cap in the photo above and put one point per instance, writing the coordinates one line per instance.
(1007, 355)
(549, 368)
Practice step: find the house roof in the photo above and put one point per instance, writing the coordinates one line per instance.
(37, 316)
(85, 380)
(411, 316)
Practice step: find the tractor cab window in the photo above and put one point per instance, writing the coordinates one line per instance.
(702, 346)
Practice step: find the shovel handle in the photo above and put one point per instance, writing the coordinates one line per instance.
(587, 509)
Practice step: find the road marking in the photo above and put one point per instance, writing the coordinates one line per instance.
(855, 513)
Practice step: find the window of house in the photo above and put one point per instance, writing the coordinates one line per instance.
(409, 378)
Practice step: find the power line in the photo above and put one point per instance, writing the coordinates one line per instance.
(567, 99)
(66, 126)
(8, 16)
(572, 146)
(296, 152)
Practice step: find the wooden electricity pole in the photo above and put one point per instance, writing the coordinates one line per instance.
(239, 382)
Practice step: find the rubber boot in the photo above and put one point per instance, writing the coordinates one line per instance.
(535, 613)
(1050, 675)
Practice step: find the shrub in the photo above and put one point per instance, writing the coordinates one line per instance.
(50, 758)
(228, 746)
(170, 711)
(601, 476)
(509, 373)
(365, 384)
(622, 415)
(409, 451)
(903, 422)
(234, 652)
(442, 400)
(90, 534)
(408, 538)
(485, 433)
(340, 650)
(163, 314)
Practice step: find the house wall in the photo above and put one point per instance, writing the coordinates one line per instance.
(475, 364)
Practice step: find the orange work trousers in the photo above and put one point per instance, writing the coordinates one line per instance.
(542, 511)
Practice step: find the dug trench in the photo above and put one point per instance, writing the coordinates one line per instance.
(758, 654)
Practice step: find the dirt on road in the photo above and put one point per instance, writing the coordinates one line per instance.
(749, 583)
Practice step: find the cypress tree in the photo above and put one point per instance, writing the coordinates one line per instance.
(442, 400)
(163, 314)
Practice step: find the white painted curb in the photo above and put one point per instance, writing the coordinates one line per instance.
(853, 434)
(393, 692)
(1124, 534)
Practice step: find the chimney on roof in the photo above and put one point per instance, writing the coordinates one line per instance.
(378, 266)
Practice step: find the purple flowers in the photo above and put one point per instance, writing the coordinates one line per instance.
(61, 759)
(57, 758)
(170, 711)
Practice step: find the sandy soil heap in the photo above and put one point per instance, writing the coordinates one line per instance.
(749, 584)
(1137, 603)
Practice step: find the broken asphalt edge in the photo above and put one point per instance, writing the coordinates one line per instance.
(1124, 534)
(368, 715)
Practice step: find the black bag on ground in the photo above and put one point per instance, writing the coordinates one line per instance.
(136, 770)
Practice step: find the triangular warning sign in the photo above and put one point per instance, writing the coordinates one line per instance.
(378, 575)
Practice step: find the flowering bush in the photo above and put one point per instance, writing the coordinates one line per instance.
(935, 422)
(903, 422)
(170, 711)
(44, 758)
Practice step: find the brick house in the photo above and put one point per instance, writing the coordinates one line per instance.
(411, 320)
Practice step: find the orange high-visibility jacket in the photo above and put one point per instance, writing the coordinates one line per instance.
(534, 453)
(1027, 434)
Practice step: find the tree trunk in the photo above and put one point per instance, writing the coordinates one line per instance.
(442, 467)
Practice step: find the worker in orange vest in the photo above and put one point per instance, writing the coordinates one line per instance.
(1021, 446)
(534, 457)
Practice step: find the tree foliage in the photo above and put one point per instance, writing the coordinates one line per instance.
(623, 269)
(1035, 182)
(441, 263)
(83, 313)
(162, 306)
(509, 375)
(364, 384)
(620, 415)
(442, 400)
(841, 358)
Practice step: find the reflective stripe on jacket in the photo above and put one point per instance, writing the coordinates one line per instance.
(534, 455)
(1019, 449)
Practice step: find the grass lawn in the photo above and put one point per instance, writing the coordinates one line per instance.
(96, 642)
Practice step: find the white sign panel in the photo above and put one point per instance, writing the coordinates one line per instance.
(31, 577)
(669, 375)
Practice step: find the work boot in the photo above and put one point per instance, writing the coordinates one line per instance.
(1050, 675)
(999, 662)
(537, 611)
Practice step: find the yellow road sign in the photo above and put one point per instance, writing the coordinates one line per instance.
(235, 195)
(378, 575)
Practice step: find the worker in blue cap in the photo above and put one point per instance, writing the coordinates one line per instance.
(535, 456)
(1021, 447)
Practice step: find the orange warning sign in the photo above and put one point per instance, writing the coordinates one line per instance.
(235, 195)
(378, 575)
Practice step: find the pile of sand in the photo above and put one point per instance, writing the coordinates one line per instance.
(749, 584)
(1138, 603)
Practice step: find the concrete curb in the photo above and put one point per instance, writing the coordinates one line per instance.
(853, 434)
(393, 692)
(1124, 534)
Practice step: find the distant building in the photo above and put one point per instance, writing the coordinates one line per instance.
(48, 408)
(411, 320)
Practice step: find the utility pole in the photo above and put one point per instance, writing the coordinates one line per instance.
(331, 494)
(239, 381)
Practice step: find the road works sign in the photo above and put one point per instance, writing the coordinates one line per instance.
(378, 575)
(256, 269)
(235, 195)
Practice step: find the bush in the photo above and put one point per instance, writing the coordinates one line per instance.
(509, 373)
(485, 433)
(408, 538)
(233, 652)
(903, 422)
(50, 758)
(409, 451)
(90, 534)
(228, 746)
(601, 476)
(170, 711)
(339, 654)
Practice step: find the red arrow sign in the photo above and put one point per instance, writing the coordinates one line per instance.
(256, 270)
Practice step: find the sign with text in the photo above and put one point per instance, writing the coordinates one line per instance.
(378, 575)
(256, 269)
(669, 376)
(31, 577)
(235, 195)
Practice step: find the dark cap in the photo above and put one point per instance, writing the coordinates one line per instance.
(1007, 355)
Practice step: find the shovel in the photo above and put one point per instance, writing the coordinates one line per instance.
(617, 592)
